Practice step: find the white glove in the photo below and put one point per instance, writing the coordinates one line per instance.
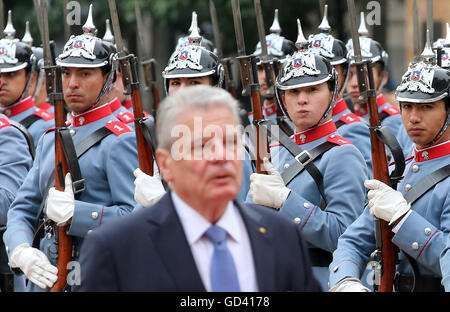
(385, 202)
(349, 284)
(61, 204)
(268, 189)
(35, 265)
(148, 189)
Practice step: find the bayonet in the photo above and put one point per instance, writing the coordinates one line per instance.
(244, 60)
(416, 37)
(430, 22)
(265, 61)
(215, 24)
(148, 64)
(2, 17)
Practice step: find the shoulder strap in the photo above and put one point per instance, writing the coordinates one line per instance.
(29, 120)
(27, 135)
(304, 159)
(427, 183)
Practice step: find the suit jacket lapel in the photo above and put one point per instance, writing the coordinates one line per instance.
(261, 240)
(170, 241)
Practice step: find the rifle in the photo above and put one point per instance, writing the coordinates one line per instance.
(265, 61)
(128, 68)
(54, 91)
(148, 64)
(250, 86)
(386, 251)
(226, 62)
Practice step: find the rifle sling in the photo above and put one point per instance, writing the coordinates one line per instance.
(303, 159)
(27, 135)
(80, 150)
(384, 134)
(149, 132)
(29, 120)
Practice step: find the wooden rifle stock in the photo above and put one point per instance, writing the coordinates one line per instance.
(262, 147)
(64, 241)
(128, 66)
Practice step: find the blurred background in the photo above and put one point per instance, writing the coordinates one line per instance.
(166, 20)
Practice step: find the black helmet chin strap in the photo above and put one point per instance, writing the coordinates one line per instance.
(443, 129)
(30, 78)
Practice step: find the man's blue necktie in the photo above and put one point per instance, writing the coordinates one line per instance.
(223, 271)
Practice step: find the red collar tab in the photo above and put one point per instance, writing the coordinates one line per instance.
(361, 111)
(4, 123)
(270, 110)
(381, 100)
(315, 133)
(339, 107)
(91, 116)
(115, 105)
(432, 152)
(128, 104)
(19, 107)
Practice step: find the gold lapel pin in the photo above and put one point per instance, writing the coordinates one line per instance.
(262, 230)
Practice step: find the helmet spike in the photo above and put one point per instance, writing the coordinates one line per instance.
(428, 54)
(9, 30)
(362, 30)
(27, 36)
(275, 28)
(109, 37)
(324, 25)
(89, 27)
(194, 36)
(301, 42)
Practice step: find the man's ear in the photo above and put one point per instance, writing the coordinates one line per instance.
(164, 160)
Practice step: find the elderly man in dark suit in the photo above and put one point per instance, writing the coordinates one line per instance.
(196, 237)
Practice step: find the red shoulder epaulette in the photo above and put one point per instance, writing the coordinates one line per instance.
(44, 114)
(44, 106)
(125, 117)
(391, 110)
(118, 127)
(349, 118)
(4, 123)
(338, 140)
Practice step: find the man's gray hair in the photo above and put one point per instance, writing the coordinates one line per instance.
(186, 100)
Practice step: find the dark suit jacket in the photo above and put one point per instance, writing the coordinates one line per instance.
(147, 251)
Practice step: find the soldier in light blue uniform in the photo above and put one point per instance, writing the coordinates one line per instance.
(421, 225)
(107, 168)
(17, 69)
(307, 86)
(189, 65)
(15, 161)
(349, 125)
(372, 50)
